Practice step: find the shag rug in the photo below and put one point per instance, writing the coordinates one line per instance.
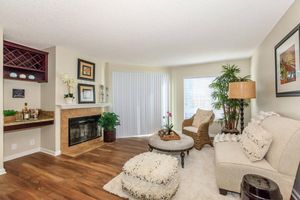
(197, 179)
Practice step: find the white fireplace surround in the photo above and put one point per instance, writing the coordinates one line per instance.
(88, 105)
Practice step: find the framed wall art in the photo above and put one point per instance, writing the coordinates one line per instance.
(86, 70)
(18, 93)
(86, 93)
(287, 69)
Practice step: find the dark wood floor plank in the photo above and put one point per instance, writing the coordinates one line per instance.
(43, 177)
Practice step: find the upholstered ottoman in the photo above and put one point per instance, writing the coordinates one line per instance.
(151, 176)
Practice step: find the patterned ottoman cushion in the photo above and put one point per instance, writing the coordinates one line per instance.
(151, 176)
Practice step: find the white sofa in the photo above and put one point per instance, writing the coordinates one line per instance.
(280, 163)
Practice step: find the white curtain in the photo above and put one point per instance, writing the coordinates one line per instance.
(140, 99)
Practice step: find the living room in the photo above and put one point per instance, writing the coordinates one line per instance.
(149, 100)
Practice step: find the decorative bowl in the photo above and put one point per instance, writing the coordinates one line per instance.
(13, 75)
(23, 76)
(31, 77)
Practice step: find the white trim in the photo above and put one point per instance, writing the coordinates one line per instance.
(21, 154)
(295, 194)
(31, 151)
(50, 152)
(2, 171)
(74, 106)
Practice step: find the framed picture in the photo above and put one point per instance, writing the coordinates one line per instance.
(86, 70)
(287, 69)
(86, 93)
(18, 93)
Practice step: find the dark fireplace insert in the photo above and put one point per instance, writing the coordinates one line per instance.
(82, 129)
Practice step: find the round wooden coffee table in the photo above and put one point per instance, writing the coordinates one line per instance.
(185, 144)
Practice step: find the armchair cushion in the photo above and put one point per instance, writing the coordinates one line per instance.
(191, 129)
(202, 116)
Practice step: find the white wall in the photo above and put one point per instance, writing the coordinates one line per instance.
(48, 95)
(25, 140)
(263, 69)
(66, 62)
(201, 70)
(32, 94)
(1, 102)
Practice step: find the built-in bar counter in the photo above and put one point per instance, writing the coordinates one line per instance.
(45, 118)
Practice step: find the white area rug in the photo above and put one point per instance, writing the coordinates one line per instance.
(197, 179)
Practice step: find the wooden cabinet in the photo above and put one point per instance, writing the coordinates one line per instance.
(24, 63)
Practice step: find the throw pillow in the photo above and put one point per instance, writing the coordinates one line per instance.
(255, 142)
(201, 116)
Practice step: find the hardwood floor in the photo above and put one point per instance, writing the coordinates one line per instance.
(41, 176)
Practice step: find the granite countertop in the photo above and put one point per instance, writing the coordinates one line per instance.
(43, 117)
(28, 121)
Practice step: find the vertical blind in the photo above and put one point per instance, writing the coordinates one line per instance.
(140, 99)
(197, 94)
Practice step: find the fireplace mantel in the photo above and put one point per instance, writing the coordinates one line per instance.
(76, 106)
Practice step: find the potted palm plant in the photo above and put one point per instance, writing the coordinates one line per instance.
(230, 107)
(108, 121)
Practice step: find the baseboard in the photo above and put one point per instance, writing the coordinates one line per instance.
(21, 154)
(295, 195)
(31, 151)
(50, 152)
(2, 171)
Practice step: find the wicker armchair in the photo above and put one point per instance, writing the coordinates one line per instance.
(200, 134)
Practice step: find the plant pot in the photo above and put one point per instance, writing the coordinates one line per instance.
(9, 119)
(231, 131)
(109, 136)
(69, 100)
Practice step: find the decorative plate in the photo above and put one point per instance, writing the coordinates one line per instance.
(23, 76)
(13, 75)
(31, 77)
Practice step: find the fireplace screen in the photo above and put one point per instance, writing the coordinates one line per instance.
(82, 129)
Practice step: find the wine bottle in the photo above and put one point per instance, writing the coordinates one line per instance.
(25, 111)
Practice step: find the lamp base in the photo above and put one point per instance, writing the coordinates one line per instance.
(242, 114)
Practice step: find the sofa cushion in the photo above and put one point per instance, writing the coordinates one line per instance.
(191, 129)
(255, 142)
(283, 154)
(202, 116)
(231, 153)
(232, 164)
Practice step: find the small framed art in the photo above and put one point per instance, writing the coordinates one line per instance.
(86, 70)
(86, 93)
(287, 69)
(18, 93)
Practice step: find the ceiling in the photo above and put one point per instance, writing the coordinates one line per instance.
(144, 32)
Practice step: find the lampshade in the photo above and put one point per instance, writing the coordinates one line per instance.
(242, 90)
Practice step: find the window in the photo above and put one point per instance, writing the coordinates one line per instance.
(197, 94)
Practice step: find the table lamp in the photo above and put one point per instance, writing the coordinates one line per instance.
(242, 90)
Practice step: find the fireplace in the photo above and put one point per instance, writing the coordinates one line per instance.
(82, 129)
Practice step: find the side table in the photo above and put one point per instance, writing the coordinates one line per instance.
(255, 187)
